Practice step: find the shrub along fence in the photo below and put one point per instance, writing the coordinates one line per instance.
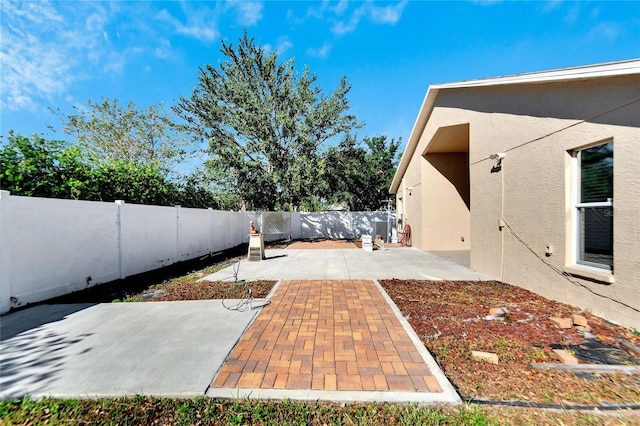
(51, 247)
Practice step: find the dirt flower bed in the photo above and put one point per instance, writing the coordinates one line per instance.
(451, 320)
(203, 290)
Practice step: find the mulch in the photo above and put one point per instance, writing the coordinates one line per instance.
(322, 244)
(452, 319)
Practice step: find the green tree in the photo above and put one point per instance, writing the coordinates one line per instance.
(360, 175)
(45, 168)
(265, 125)
(57, 169)
(149, 136)
(133, 183)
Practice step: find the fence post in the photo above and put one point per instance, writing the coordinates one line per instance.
(210, 210)
(352, 230)
(5, 252)
(120, 226)
(177, 256)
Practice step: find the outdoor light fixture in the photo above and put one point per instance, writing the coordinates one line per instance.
(497, 156)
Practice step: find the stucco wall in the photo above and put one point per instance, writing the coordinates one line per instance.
(411, 198)
(537, 126)
(446, 216)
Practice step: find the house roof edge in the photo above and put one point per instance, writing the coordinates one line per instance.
(606, 69)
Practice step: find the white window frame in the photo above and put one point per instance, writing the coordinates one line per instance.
(576, 205)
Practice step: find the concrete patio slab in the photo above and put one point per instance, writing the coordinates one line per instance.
(177, 348)
(341, 264)
(112, 350)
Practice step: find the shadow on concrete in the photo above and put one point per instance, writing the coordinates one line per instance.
(275, 257)
(120, 289)
(460, 257)
(18, 322)
(32, 352)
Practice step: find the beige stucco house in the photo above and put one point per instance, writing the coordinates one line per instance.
(538, 175)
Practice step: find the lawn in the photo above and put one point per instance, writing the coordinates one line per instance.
(143, 410)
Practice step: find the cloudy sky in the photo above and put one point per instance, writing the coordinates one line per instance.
(57, 54)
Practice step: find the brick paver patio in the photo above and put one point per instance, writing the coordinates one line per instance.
(327, 335)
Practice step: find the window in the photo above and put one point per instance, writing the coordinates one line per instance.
(593, 206)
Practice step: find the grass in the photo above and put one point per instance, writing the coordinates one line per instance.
(141, 410)
(147, 410)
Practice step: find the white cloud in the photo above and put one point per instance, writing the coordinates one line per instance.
(573, 15)
(551, 5)
(96, 21)
(320, 52)
(163, 50)
(41, 12)
(114, 64)
(201, 23)
(283, 45)
(49, 47)
(249, 12)
(609, 30)
(341, 7)
(35, 64)
(349, 26)
(486, 2)
(317, 11)
(388, 14)
(344, 16)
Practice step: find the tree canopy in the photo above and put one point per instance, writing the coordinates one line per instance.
(266, 126)
(360, 175)
(146, 136)
(275, 141)
(57, 169)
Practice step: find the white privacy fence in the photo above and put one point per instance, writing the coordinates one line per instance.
(51, 247)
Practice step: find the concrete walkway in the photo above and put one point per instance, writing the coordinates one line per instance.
(177, 348)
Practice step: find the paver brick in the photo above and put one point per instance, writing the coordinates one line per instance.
(327, 335)
(561, 322)
(349, 382)
(565, 357)
(485, 356)
(281, 381)
(250, 380)
(579, 320)
(433, 384)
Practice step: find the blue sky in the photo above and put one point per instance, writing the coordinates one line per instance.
(61, 54)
